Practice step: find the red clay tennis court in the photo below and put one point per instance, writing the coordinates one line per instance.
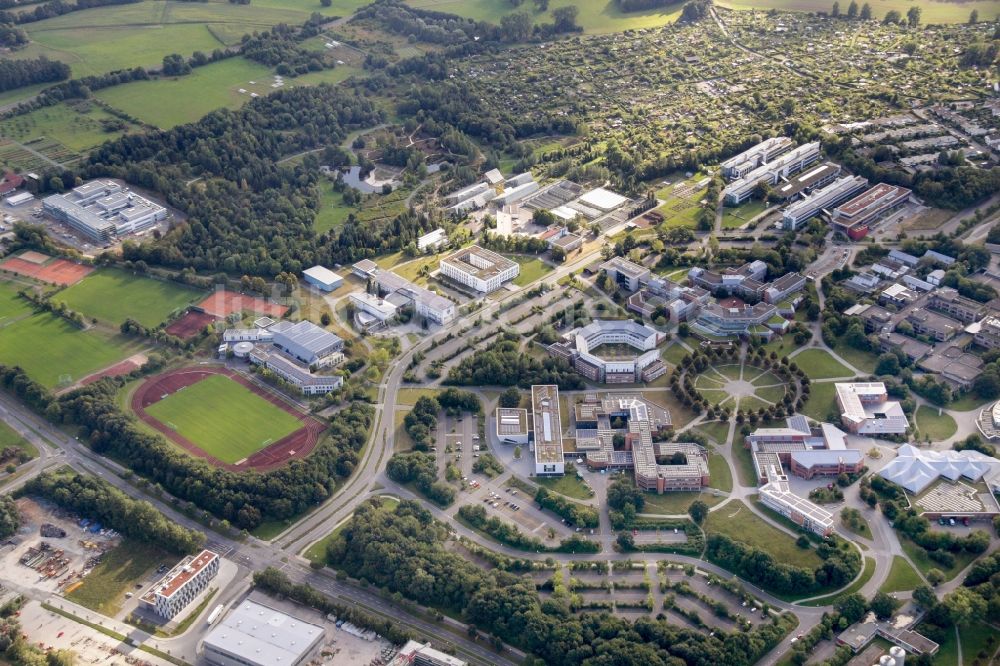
(190, 325)
(299, 444)
(57, 271)
(223, 303)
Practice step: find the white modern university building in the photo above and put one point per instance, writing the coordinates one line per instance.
(512, 425)
(547, 442)
(182, 584)
(780, 167)
(401, 291)
(480, 269)
(865, 409)
(253, 634)
(765, 151)
(103, 210)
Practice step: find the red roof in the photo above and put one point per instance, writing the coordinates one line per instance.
(11, 181)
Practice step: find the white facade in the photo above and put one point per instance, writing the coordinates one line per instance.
(548, 445)
(182, 584)
(432, 239)
(322, 278)
(480, 269)
(866, 409)
(253, 634)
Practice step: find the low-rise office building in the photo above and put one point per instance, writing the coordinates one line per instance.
(807, 181)
(856, 216)
(547, 442)
(956, 306)
(480, 269)
(512, 425)
(866, 409)
(933, 325)
(762, 153)
(781, 166)
(293, 372)
(401, 291)
(580, 348)
(102, 210)
(629, 275)
(819, 200)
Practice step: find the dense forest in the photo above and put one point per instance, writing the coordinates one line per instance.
(17, 73)
(94, 498)
(279, 48)
(12, 37)
(245, 499)
(403, 551)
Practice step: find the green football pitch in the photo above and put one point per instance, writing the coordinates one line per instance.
(224, 418)
(112, 296)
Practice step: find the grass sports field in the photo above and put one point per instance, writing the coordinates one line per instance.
(224, 418)
(67, 349)
(112, 296)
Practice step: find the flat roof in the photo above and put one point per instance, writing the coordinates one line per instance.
(309, 336)
(547, 423)
(875, 197)
(322, 274)
(603, 199)
(184, 572)
(258, 634)
(512, 421)
(479, 262)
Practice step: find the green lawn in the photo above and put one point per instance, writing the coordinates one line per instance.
(76, 125)
(968, 402)
(718, 469)
(409, 396)
(734, 218)
(717, 430)
(47, 347)
(864, 529)
(332, 212)
(819, 364)
(12, 306)
(10, 437)
(673, 354)
(112, 296)
(738, 522)
(104, 588)
(224, 418)
(937, 426)
(568, 485)
(862, 360)
(822, 401)
(596, 16)
(783, 345)
(532, 268)
(902, 577)
(170, 101)
(677, 502)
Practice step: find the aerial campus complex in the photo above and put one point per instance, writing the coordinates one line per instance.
(481, 334)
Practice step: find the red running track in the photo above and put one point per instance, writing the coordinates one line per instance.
(299, 444)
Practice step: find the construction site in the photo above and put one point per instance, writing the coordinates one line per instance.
(53, 551)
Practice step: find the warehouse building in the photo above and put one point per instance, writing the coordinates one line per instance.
(480, 269)
(823, 199)
(253, 634)
(102, 210)
(310, 344)
(182, 584)
(322, 278)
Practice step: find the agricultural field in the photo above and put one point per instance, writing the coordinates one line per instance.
(112, 296)
(78, 126)
(596, 16)
(932, 11)
(224, 418)
(70, 353)
(103, 39)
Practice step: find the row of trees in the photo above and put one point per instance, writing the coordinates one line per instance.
(18, 73)
(840, 565)
(98, 500)
(580, 515)
(404, 552)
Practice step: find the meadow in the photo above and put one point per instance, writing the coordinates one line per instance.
(224, 418)
(104, 588)
(67, 349)
(103, 39)
(932, 11)
(737, 521)
(532, 268)
(112, 296)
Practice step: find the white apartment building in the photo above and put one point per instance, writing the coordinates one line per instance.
(182, 584)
